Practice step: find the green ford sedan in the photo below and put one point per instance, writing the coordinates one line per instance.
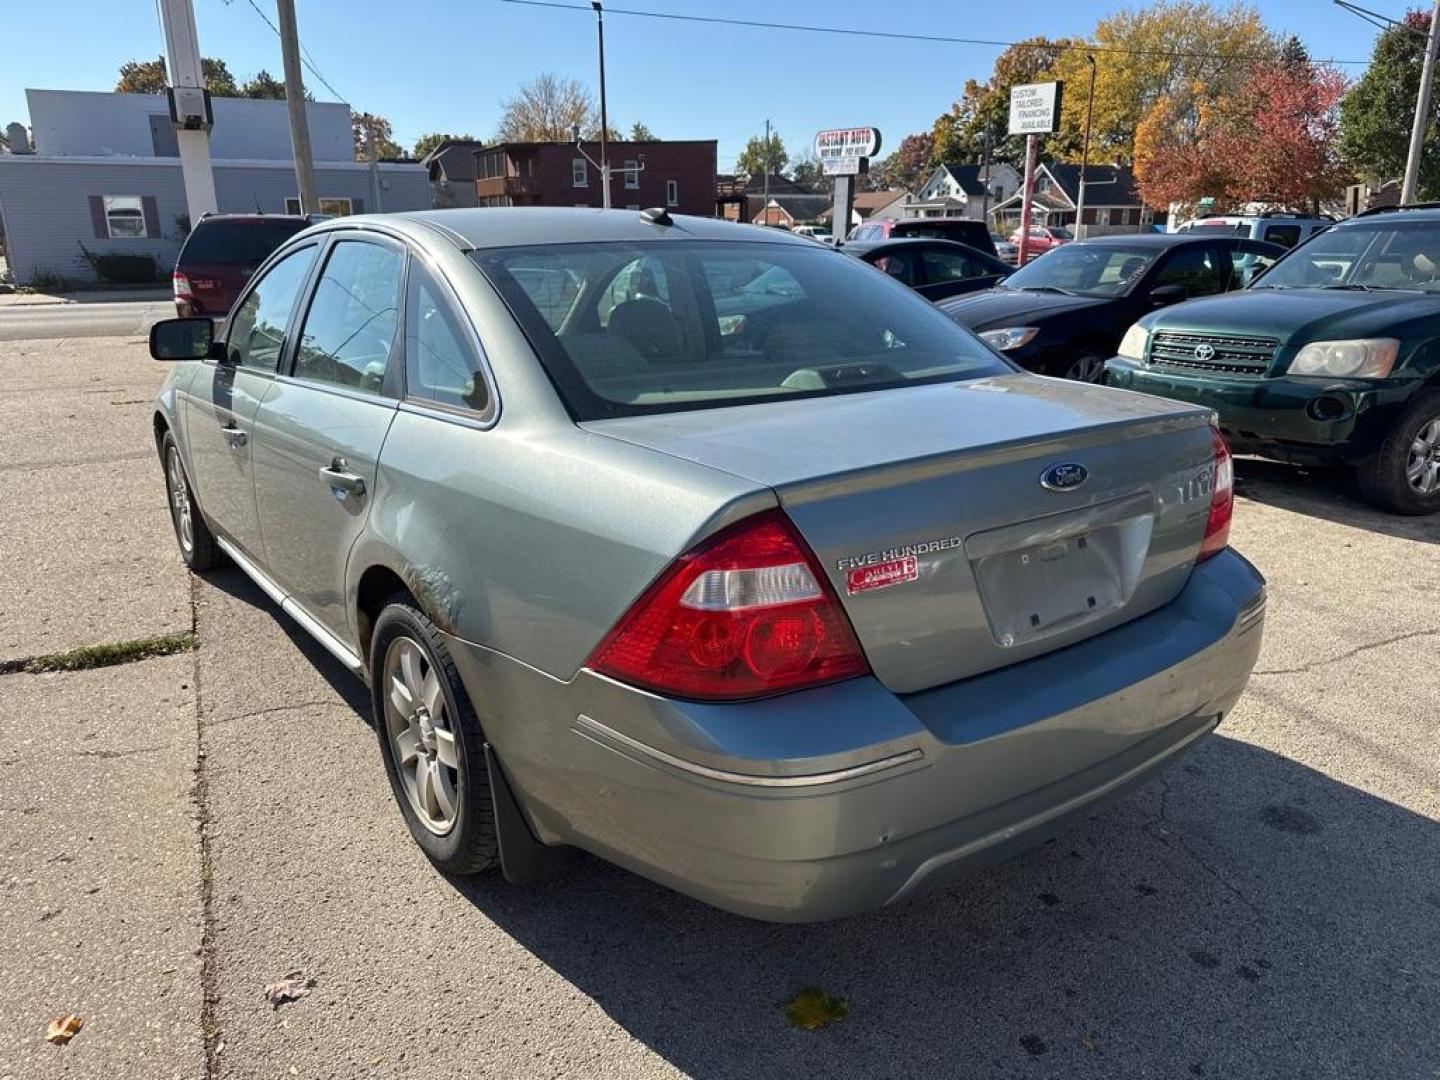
(793, 597)
(1332, 357)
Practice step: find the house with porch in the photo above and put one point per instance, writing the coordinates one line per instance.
(963, 191)
(1112, 201)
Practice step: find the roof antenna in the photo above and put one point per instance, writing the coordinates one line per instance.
(657, 215)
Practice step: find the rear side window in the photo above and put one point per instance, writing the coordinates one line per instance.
(724, 323)
(1284, 235)
(350, 328)
(900, 265)
(943, 266)
(236, 243)
(440, 364)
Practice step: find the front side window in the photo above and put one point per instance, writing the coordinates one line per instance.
(350, 328)
(1085, 269)
(440, 364)
(125, 217)
(941, 266)
(1246, 266)
(580, 172)
(899, 264)
(675, 325)
(256, 333)
(1195, 269)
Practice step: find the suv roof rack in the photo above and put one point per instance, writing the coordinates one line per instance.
(1396, 209)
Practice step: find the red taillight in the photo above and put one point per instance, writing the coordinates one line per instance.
(182, 284)
(746, 613)
(1222, 500)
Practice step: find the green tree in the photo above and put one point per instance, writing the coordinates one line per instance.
(759, 158)
(366, 126)
(805, 170)
(640, 133)
(263, 85)
(148, 77)
(1375, 116)
(908, 166)
(426, 143)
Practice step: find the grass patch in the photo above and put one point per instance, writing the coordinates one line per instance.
(98, 656)
(812, 1009)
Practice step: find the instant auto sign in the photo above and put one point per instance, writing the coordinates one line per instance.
(842, 151)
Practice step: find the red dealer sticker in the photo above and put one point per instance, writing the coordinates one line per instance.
(882, 574)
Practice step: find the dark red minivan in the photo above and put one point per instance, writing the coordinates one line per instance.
(221, 253)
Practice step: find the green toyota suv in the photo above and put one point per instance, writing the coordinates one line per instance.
(1332, 357)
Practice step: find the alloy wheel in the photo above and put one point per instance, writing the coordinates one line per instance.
(1422, 464)
(180, 510)
(1085, 369)
(422, 737)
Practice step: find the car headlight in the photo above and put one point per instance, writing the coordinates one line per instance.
(1359, 358)
(1009, 337)
(1132, 345)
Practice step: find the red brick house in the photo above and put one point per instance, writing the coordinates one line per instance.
(679, 175)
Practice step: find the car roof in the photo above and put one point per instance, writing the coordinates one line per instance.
(1413, 212)
(863, 247)
(519, 226)
(296, 219)
(1153, 239)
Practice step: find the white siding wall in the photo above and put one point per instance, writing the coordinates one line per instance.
(46, 209)
(77, 123)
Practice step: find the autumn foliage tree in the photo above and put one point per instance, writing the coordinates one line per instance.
(1275, 140)
(960, 135)
(908, 166)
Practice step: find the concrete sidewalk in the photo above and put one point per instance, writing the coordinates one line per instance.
(97, 296)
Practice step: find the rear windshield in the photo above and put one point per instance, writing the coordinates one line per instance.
(625, 329)
(1379, 254)
(236, 242)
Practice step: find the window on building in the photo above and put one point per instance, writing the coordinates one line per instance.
(580, 172)
(672, 193)
(632, 175)
(1102, 215)
(333, 207)
(125, 217)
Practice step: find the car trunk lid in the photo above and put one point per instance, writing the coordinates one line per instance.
(966, 526)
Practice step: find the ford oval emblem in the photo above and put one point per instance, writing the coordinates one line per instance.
(1064, 476)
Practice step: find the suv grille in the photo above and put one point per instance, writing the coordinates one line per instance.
(1246, 357)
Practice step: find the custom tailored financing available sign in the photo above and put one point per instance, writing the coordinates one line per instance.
(845, 151)
(1035, 108)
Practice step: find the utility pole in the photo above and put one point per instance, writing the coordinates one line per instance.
(1422, 110)
(765, 168)
(1085, 151)
(604, 117)
(372, 154)
(189, 106)
(295, 102)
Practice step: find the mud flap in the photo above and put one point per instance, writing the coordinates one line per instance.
(523, 858)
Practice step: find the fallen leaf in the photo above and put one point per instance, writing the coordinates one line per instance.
(63, 1029)
(812, 1009)
(292, 987)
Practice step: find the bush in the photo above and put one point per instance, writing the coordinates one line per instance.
(121, 269)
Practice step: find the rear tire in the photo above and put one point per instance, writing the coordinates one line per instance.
(196, 541)
(1403, 475)
(431, 742)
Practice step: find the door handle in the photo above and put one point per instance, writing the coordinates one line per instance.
(342, 482)
(234, 436)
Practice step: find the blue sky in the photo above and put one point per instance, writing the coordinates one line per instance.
(428, 65)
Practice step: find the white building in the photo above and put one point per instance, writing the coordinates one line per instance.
(961, 191)
(103, 174)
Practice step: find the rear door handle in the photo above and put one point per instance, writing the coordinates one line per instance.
(342, 482)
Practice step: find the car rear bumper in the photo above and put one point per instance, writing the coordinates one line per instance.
(837, 800)
(1292, 419)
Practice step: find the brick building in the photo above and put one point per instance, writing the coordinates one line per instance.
(679, 175)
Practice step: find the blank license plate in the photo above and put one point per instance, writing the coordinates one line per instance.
(1031, 592)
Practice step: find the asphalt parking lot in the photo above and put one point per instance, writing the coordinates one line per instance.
(178, 832)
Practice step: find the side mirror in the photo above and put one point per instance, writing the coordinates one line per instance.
(1168, 294)
(182, 339)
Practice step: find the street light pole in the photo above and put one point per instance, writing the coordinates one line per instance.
(604, 116)
(295, 103)
(1422, 111)
(1085, 150)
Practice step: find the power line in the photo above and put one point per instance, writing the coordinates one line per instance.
(1374, 18)
(758, 24)
(306, 53)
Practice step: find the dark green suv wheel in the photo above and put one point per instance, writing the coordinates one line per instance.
(1404, 474)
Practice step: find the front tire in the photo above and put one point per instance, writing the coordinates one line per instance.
(197, 543)
(1403, 476)
(1083, 368)
(431, 742)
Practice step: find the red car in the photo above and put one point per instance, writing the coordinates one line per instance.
(1042, 239)
(221, 253)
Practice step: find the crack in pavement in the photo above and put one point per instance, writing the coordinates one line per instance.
(108, 754)
(200, 795)
(332, 702)
(1165, 836)
(1311, 665)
